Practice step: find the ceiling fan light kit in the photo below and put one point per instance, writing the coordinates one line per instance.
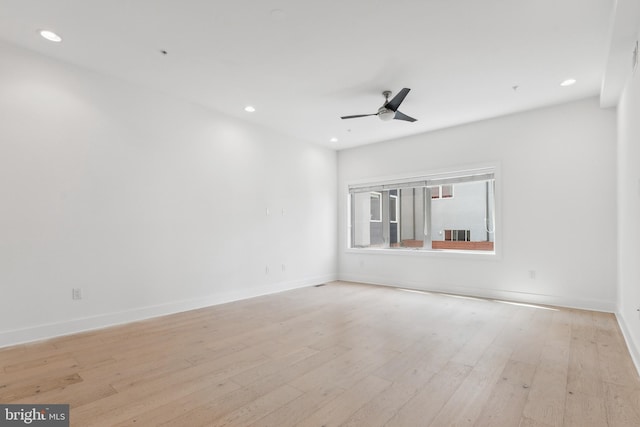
(389, 109)
(386, 115)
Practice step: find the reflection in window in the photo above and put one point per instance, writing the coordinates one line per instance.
(376, 207)
(393, 208)
(423, 213)
(442, 191)
(446, 191)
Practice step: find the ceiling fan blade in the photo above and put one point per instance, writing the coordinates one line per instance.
(402, 116)
(358, 115)
(397, 100)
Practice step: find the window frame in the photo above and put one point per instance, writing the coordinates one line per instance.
(379, 197)
(396, 210)
(392, 182)
(440, 196)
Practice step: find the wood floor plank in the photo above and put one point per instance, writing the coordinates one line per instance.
(475, 347)
(341, 354)
(125, 405)
(585, 410)
(291, 414)
(204, 414)
(467, 403)
(546, 400)
(614, 361)
(584, 375)
(274, 366)
(35, 374)
(74, 395)
(268, 382)
(176, 409)
(338, 410)
(509, 396)
(343, 370)
(423, 407)
(381, 408)
(621, 403)
(258, 408)
(536, 331)
(22, 391)
(528, 422)
(46, 361)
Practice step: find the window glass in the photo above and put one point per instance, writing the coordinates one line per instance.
(409, 215)
(376, 207)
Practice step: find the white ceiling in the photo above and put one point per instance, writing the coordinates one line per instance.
(303, 64)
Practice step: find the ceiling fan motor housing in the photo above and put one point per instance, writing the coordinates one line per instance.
(385, 114)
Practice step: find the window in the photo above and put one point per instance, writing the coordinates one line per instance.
(446, 191)
(457, 235)
(393, 208)
(442, 191)
(423, 213)
(376, 207)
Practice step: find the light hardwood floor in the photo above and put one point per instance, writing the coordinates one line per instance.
(339, 355)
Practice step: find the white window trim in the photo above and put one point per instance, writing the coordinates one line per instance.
(391, 196)
(493, 167)
(379, 195)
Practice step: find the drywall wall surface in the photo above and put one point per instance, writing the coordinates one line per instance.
(629, 214)
(555, 198)
(146, 203)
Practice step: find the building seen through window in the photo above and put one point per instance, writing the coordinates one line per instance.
(456, 212)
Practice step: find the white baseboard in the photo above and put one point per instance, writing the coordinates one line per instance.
(72, 326)
(633, 348)
(522, 297)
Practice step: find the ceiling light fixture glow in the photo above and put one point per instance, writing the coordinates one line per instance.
(50, 35)
(385, 114)
(249, 109)
(334, 139)
(568, 82)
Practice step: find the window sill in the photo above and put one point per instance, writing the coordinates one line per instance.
(444, 253)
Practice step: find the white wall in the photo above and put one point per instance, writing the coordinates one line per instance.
(556, 194)
(629, 214)
(148, 203)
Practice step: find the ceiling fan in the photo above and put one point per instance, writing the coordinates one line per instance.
(389, 109)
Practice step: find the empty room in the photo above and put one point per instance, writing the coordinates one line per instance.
(356, 213)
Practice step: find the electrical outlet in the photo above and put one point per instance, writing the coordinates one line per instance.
(532, 274)
(284, 268)
(76, 293)
(266, 270)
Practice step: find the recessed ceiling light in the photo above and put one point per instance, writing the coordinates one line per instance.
(334, 139)
(568, 82)
(51, 36)
(249, 109)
